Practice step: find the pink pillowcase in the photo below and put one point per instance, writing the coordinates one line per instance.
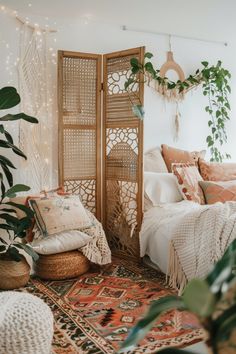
(172, 155)
(188, 180)
(212, 171)
(219, 191)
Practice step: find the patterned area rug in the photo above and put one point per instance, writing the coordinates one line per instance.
(94, 313)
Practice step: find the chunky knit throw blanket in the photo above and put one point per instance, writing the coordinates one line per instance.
(97, 249)
(199, 240)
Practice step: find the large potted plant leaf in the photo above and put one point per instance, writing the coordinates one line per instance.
(14, 270)
(212, 299)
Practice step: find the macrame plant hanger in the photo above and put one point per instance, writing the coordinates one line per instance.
(172, 95)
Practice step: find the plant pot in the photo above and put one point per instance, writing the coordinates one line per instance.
(13, 274)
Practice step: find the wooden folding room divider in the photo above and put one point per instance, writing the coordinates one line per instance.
(79, 102)
(118, 178)
(123, 154)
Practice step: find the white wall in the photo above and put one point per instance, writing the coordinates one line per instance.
(159, 118)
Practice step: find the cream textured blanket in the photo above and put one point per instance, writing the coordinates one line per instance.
(96, 249)
(200, 239)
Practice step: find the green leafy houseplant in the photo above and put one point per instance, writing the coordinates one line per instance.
(215, 84)
(15, 228)
(212, 299)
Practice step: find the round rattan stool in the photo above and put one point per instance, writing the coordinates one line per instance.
(64, 265)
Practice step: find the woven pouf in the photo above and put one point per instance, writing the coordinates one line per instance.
(64, 265)
(26, 324)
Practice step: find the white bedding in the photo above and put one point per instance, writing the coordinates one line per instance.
(156, 231)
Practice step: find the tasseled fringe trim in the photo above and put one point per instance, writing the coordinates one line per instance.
(95, 256)
(175, 276)
(168, 94)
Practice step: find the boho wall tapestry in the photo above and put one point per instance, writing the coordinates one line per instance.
(36, 68)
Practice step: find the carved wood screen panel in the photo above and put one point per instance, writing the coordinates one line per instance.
(123, 154)
(79, 102)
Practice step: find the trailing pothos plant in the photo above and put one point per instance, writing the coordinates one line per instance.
(212, 300)
(215, 84)
(15, 228)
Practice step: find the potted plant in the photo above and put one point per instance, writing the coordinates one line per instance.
(212, 300)
(14, 270)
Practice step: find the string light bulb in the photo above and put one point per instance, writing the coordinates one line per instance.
(44, 154)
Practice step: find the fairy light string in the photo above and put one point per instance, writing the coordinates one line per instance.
(47, 143)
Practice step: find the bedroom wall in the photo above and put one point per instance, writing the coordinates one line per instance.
(159, 117)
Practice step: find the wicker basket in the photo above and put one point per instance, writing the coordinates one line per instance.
(61, 265)
(13, 274)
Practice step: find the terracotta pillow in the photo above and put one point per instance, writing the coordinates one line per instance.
(219, 191)
(154, 162)
(213, 171)
(60, 213)
(173, 155)
(188, 178)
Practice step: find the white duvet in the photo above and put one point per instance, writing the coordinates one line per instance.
(156, 231)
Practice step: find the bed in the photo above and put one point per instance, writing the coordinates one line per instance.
(157, 230)
(188, 222)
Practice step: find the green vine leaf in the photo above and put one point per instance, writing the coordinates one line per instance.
(138, 111)
(215, 85)
(148, 55)
(134, 62)
(204, 63)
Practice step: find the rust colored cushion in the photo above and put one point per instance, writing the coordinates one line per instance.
(213, 171)
(221, 191)
(188, 178)
(173, 155)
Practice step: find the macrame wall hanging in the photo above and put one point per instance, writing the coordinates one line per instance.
(171, 95)
(37, 92)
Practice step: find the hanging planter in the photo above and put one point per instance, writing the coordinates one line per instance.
(214, 81)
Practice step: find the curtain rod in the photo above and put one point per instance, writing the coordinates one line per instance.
(130, 29)
(35, 27)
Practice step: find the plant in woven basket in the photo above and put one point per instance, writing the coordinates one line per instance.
(14, 228)
(215, 85)
(212, 300)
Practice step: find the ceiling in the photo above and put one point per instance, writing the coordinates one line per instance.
(211, 19)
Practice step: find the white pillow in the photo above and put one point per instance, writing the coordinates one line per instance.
(161, 188)
(61, 242)
(154, 162)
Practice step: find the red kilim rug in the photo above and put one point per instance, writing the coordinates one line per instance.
(94, 313)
